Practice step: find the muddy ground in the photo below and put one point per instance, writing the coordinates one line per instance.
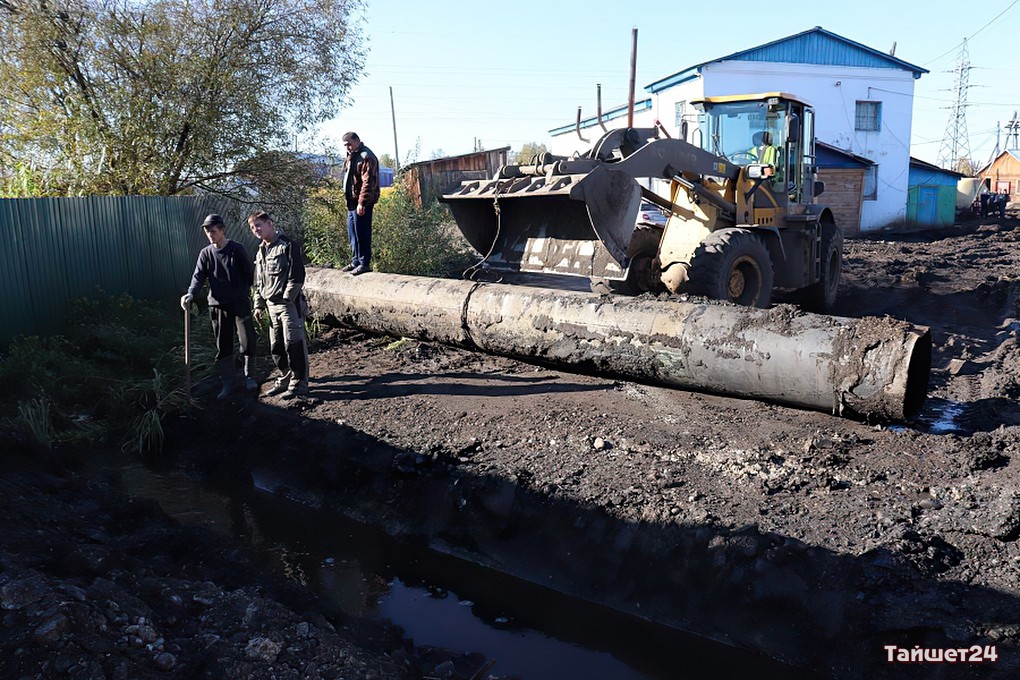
(829, 543)
(850, 534)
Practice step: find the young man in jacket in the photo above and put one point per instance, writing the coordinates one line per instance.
(279, 279)
(361, 191)
(226, 265)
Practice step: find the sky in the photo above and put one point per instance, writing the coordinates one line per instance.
(469, 74)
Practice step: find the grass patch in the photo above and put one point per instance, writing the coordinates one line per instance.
(110, 380)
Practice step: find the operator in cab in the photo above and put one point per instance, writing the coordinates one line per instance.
(763, 151)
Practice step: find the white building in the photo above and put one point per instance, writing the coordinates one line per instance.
(863, 100)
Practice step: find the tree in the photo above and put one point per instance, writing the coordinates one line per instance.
(166, 97)
(386, 161)
(967, 166)
(528, 152)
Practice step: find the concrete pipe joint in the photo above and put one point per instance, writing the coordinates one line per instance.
(861, 368)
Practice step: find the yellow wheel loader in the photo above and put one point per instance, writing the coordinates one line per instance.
(740, 199)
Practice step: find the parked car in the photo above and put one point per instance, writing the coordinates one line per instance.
(649, 213)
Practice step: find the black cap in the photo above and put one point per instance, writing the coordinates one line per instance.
(211, 220)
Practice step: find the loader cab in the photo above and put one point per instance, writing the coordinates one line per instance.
(733, 127)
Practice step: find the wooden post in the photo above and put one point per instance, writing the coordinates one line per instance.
(187, 351)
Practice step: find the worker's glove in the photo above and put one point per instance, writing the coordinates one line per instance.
(186, 300)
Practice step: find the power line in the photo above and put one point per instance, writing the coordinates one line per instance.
(996, 18)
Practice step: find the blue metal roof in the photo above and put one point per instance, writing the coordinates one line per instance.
(829, 156)
(916, 164)
(607, 116)
(815, 46)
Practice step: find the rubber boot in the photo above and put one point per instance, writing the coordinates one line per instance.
(250, 383)
(225, 367)
(298, 386)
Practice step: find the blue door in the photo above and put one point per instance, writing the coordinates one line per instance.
(928, 205)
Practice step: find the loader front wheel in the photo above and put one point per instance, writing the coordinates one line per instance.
(733, 265)
(821, 296)
(642, 275)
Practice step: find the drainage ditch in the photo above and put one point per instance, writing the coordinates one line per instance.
(440, 599)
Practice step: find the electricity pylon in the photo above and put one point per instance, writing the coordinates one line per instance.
(956, 143)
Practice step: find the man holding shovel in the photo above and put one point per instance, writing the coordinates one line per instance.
(226, 265)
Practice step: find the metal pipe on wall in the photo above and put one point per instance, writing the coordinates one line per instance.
(867, 368)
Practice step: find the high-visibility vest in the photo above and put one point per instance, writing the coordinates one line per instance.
(767, 154)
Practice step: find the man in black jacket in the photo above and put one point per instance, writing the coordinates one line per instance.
(226, 265)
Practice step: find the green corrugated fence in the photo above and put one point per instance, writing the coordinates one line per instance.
(60, 249)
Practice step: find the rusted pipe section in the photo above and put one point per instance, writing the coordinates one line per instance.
(866, 368)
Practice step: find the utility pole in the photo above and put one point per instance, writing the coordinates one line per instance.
(1013, 130)
(633, 78)
(998, 146)
(956, 143)
(393, 116)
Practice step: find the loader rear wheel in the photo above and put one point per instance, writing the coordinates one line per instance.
(821, 296)
(641, 275)
(733, 265)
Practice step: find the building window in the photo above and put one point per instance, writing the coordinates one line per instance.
(870, 190)
(868, 117)
(680, 107)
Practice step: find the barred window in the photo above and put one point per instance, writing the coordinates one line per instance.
(868, 116)
(680, 107)
(870, 189)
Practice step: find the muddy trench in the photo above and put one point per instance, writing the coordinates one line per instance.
(729, 599)
(437, 596)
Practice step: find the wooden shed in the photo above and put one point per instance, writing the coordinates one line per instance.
(1003, 174)
(844, 175)
(427, 180)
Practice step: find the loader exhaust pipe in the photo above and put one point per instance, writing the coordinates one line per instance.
(864, 368)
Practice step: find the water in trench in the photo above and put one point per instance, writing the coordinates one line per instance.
(530, 632)
(939, 416)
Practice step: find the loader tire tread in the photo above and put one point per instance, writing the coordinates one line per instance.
(644, 246)
(732, 264)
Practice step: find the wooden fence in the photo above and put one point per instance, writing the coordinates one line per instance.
(59, 249)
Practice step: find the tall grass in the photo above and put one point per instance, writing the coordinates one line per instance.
(109, 381)
(34, 418)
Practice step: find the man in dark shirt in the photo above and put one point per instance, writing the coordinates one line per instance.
(226, 265)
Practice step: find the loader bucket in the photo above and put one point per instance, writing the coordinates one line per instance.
(572, 224)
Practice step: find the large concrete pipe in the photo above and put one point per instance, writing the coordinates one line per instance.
(852, 367)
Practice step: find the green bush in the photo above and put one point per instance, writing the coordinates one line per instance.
(325, 228)
(406, 239)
